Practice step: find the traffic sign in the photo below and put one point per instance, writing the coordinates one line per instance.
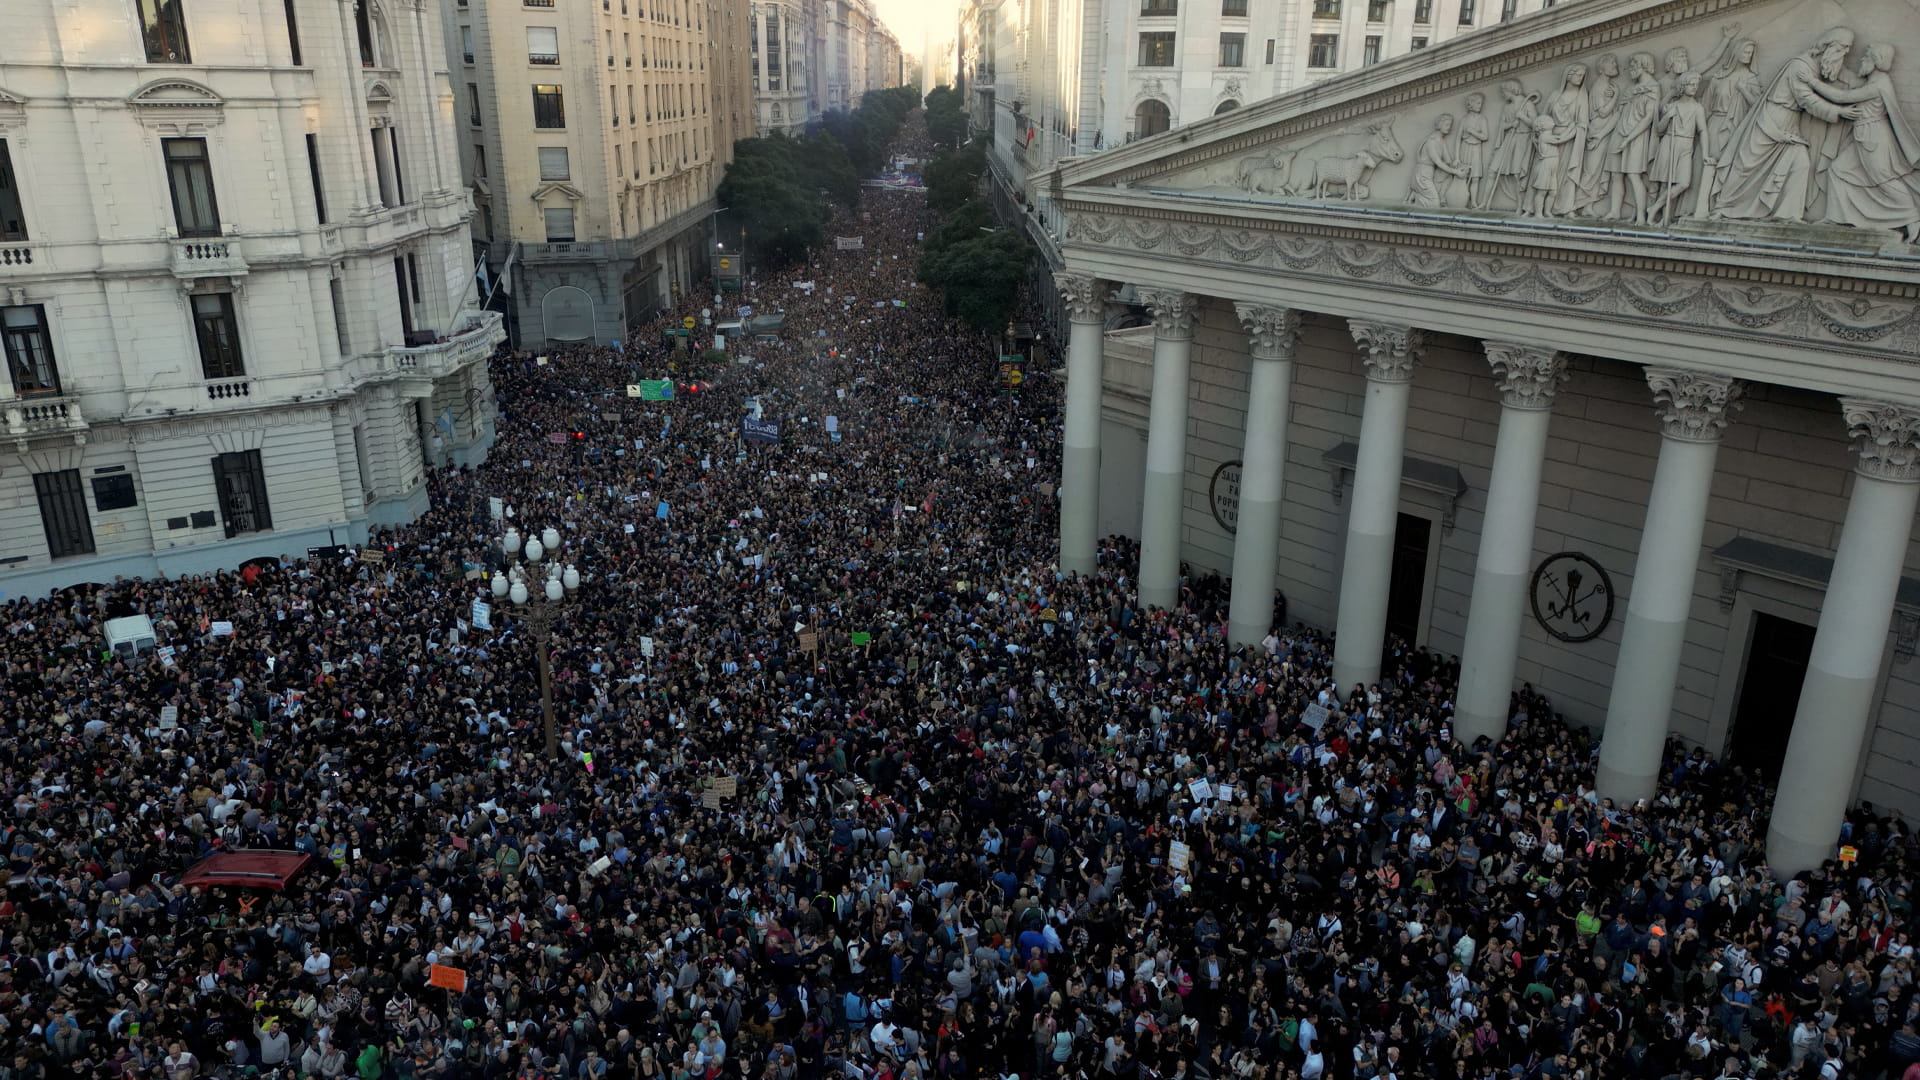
(687, 322)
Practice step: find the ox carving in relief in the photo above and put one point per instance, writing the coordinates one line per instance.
(1342, 163)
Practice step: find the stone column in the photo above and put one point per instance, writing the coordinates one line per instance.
(1843, 671)
(1271, 333)
(1528, 378)
(1080, 450)
(1161, 507)
(1694, 409)
(1389, 353)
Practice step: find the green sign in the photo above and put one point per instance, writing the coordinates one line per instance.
(861, 637)
(656, 389)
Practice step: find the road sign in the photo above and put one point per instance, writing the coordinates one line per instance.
(687, 322)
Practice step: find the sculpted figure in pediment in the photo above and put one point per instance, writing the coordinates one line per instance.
(1603, 113)
(1770, 165)
(1512, 162)
(1874, 182)
(1731, 90)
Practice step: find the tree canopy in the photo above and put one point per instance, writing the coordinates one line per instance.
(773, 188)
(977, 269)
(947, 122)
(953, 176)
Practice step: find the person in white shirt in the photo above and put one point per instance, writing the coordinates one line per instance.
(318, 964)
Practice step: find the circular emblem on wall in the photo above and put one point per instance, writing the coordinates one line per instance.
(1572, 596)
(1223, 494)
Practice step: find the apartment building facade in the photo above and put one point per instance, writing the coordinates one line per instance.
(236, 292)
(811, 57)
(594, 136)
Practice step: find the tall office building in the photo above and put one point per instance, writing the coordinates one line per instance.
(594, 136)
(237, 296)
(811, 57)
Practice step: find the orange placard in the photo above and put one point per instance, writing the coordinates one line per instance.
(447, 978)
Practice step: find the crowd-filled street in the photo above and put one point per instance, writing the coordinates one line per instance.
(852, 784)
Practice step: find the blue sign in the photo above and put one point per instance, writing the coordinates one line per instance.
(661, 512)
(760, 431)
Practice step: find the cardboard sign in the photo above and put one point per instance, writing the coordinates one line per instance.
(726, 786)
(809, 641)
(710, 800)
(447, 978)
(1179, 856)
(372, 555)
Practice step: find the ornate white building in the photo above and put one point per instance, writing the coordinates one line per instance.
(814, 56)
(235, 283)
(1581, 349)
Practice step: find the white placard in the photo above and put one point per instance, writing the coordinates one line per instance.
(482, 615)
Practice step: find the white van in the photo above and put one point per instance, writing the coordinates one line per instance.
(130, 636)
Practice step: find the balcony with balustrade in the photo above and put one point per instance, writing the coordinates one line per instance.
(204, 258)
(472, 342)
(42, 416)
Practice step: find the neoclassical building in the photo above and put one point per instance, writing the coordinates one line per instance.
(1581, 348)
(237, 299)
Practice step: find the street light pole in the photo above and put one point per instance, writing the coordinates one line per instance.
(562, 582)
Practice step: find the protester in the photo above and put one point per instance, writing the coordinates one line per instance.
(983, 821)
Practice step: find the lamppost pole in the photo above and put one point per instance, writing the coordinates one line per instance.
(539, 618)
(562, 581)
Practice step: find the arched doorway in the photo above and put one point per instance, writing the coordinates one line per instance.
(1151, 118)
(1226, 106)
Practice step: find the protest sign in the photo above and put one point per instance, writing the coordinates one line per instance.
(754, 429)
(447, 978)
(482, 615)
(1314, 716)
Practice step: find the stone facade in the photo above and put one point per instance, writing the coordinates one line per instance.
(239, 299)
(593, 137)
(1596, 412)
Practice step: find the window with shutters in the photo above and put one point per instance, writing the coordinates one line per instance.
(63, 513)
(163, 26)
(190, 176)
(1156, 49)
(549, 106)
(241, 485)
(29, 348)
(13, 217)
(554, 164)
(543, 45)
(218, 331)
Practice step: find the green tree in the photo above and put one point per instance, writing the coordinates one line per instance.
(772, 188)
(952, 177)
(947, 122)
(979, 278)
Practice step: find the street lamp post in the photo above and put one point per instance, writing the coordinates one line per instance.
(562, 581)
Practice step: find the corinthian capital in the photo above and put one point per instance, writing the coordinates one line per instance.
(1388, 351)
(1271, 331)
(1173, 311)
(1081, 295)
(1886, 439)
(1693, 405)
(1526, 375)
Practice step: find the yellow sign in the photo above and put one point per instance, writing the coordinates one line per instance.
(687, 322)
(726, 264)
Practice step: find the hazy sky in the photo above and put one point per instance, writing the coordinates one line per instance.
(909, 20)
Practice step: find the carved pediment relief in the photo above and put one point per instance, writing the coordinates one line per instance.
(177, 107)
(175, 94)
(1776, 119)
(554, 194)
(378, 92)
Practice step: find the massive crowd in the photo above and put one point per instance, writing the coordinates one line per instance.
(984, 822)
